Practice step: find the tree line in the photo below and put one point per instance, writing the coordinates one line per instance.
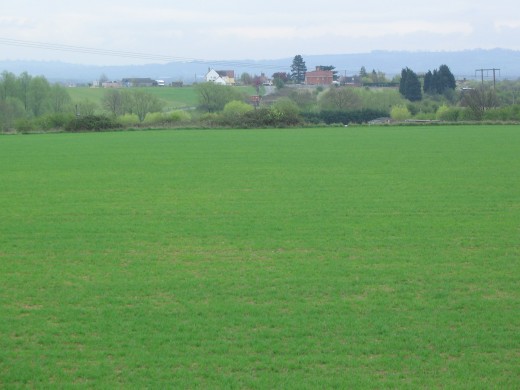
(30, 103)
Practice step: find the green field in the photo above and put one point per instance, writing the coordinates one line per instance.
(173, 98)
(360, 257)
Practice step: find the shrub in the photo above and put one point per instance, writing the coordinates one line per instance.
(24, 125)
(54, 121)
(400, 113)
(467, 114)
(210, 119)
(285, 112)
(128, 120)
(344, 117)
(449, 114)
(234, 111)
(92, 123)
(258, 118)
(507, 113)
(177, 116)
(154, 118)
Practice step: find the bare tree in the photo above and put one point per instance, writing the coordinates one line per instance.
(59, 99)
(479, 100)
(113, 102)
(343, 98)
(143, 103)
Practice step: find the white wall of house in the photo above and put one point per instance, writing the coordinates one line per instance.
(212, 76)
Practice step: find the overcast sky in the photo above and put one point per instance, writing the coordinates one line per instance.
(219, 30)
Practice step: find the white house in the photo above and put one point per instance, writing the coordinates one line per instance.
(213, 77)
(221, 77)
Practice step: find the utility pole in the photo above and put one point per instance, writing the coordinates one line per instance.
(494, 70)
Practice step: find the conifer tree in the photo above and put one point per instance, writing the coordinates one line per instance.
(439, 81)
(410, 86)
(298, 69)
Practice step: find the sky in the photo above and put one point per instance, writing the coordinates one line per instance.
(119, 32)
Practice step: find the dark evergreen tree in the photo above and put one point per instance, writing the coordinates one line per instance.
(435, 86)
(332, 68)
(446, 79)
(428, 82)
(439, 81)
(410, 86)
(402, 82)
(373, 76)
(298, 69)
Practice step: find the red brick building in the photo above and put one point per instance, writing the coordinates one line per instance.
(319, 77)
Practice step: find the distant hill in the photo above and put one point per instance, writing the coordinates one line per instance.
(462, 63)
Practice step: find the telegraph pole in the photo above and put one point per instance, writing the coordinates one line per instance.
(494, 70)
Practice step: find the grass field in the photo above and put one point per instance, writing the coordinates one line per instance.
(173, 98)
(302, 258)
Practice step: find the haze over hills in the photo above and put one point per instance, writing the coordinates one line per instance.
(462, 64)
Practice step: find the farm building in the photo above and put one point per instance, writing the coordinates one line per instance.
(138, 82)
(111, 84)
(319, 77)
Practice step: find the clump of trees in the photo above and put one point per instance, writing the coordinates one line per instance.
(131, 101)
(222, 105)
(30, 103)
(25, 97)
(213, 97)
(439, 81)
(375, 77)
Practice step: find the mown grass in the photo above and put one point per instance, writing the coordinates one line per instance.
(305, 258)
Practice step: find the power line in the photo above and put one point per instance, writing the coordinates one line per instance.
(494, 70)
(127, 54)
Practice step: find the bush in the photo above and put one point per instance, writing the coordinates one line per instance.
(54, 121)
(449, 114)
(234, 111)
(400, 113)
(154, 118)
(507, 113)
(344, 117)
(285, 112)
(258, 118)
(426, 116)
(128, 120)
(177, 116)
(24, 125)
(92, 123)
(467, 114)
(210, 119)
